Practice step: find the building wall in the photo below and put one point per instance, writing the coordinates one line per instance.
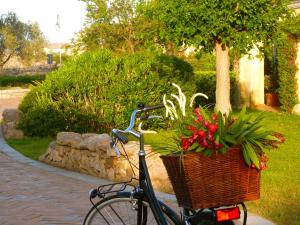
(251, 78)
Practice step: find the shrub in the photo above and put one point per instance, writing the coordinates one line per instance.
(14, 81)
(287, 52)
(204, 61)
(206, 83)
(96, 91)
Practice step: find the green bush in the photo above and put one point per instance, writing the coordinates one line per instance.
(206, 83)
(287, 52)
(14, 81)
(203, 61)
(97, 91)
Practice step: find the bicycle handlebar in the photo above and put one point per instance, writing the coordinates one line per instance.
(142, 109)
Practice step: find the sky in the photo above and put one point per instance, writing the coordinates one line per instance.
(71, 14)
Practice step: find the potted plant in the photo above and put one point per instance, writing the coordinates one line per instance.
(215, 159)
(272, 98)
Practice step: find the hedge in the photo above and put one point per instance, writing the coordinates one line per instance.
(97, 91)
(24, 80)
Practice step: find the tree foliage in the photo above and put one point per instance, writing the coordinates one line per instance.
(116, 25)
(19, 39)
(229, 25)
(238, 24)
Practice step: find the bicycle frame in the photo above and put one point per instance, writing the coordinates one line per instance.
(147, 188)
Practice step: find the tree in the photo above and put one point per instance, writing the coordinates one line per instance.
(19, 39)
(116, 25)
(231, 25)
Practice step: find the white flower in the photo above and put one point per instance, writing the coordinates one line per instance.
(181, 99)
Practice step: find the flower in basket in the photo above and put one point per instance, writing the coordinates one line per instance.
(197, 130)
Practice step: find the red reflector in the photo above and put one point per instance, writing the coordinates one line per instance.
(228, 214)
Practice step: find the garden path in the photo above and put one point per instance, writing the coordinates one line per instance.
(10, 99)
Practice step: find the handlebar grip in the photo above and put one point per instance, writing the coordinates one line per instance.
(152, 107)
(121, 137)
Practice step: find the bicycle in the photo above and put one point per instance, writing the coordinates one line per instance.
(140, 205)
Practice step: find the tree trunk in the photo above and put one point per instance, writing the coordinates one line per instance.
(222, 79)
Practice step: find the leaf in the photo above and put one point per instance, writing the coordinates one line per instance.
(252, 155)
(246, 156)
(220, 124)
(194, 146)
(230, 139)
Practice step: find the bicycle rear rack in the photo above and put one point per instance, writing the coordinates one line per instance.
(112, 188)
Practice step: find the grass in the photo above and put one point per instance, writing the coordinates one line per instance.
(280, 183)
(30, 147)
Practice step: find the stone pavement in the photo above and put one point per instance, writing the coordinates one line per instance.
(32, 193)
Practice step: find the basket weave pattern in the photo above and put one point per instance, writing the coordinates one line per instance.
(205, 182)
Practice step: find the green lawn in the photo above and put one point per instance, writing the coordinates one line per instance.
(280, 185)
(30, 147)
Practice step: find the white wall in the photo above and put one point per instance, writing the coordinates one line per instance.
(252, 78)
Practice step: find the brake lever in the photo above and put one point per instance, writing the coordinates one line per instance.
(113, 144)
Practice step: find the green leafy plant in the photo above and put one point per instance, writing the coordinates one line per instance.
(20, 80)
(98, 90)
(198, 131)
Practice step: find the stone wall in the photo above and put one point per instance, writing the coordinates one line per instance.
(10, 122)
(91, 154)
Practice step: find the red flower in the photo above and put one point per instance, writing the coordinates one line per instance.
(192, 128)
(262, 165)
(193, 138)
(218, 146)
(264, 158)
(282, 139)
(197, 111)
(279, 136)
(213, 128)
(214, 117)
(203, 143)
(252, 166)
(201, 134)
(200, 118)
(206, 123)
(210, 136)
(185, 144)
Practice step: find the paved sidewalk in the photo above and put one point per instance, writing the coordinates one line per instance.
(32, 193)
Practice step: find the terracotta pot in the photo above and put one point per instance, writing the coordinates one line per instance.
(272, 99)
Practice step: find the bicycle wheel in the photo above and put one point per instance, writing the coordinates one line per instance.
(121, 210)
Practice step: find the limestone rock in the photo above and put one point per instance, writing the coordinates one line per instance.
(91, 154)
(69, 139)
(96, 142)
(11, 115)
(296, 109)
(87, 135)
(10, 121)
(14, 133)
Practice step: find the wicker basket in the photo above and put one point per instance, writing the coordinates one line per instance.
(205, 182)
